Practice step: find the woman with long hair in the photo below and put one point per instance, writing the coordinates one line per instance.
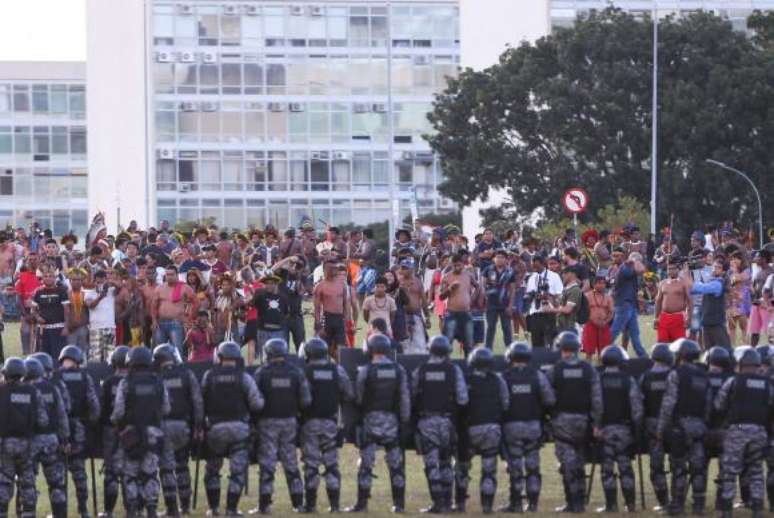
(739, 304)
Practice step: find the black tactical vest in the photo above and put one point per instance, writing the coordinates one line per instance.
(653, 388)
(693, 384)
(108, 396)
(48, 393)
(17, 408)
(279, 384)
(75, 381)
(178, 384)
(382, 388)
(749, 400)
(437, 388)
(484, 405)
(716, 380)
(615, 397)
(324, 383)
(572, 383)
(144, 399)
(224, 397)
(713, 309)
(524, 389)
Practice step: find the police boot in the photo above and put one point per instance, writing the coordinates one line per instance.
(532, 502)
(662, 496)
(698, 507)
(59, 510)
(264, 504)
(514, 503)
(436, 507)
(310, 501)
(757, 508)
(579, 503)
(333, 500)
(460, 497)
(770, 492)
(568, 499)
(630, 500)
(487, 502)
(611, 502)
(297, 502)
(398, 499)
(83, 508)
(170, 503)
(361, 506)
(744, 495)
(151, 511)
(213, 501)
(110, 504)
(185, 506)
(232, 504)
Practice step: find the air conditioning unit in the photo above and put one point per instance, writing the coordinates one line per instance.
(184, 187)
(209, 57)
(164, 56)
(209, 106)
(188, 106)
(316, 155)
(166, 153)
(252, 10)
(316, 10)
(407, 155)
(341, 155)
(421, 60)
(276, 107)
(230, 10)
(187, 56)
(184, 9)
(296, 107)
(297, 10)
(380, 107)
(361, 108)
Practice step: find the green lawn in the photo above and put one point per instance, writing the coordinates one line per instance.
(417, 494)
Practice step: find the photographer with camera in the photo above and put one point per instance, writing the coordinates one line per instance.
(543, 289)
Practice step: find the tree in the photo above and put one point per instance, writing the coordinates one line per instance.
(574, 108)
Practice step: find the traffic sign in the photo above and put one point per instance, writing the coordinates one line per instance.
(575, 200)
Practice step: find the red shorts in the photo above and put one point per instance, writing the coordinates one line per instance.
(671, 326)
(595, 338)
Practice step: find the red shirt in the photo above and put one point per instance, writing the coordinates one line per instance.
(202, 349)
(26, 285)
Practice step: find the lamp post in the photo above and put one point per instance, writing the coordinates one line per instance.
(757, 194)
(654, 125)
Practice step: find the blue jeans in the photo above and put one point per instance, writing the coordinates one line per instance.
(625, 317)
(459, 323)
(171, 331)
(492, 314)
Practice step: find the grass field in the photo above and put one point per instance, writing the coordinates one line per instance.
(380, 503)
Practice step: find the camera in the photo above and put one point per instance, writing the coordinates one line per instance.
(694, 261)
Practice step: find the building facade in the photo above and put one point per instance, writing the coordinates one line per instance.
(43, 150)
(258, 112)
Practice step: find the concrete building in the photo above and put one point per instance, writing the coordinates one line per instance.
(266, 111)
(43, 143)
(487, 27)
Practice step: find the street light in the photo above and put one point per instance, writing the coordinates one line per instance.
(757, 194)
(654, 128)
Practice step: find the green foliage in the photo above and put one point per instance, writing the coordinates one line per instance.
(574, 108)
(437, 220)
(186, 227)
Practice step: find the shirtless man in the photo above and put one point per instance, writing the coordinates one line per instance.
(146, 280)
(172, 299)
(7, 260)
(130, 311)
(673, 306)
(457, 290)
(417, 315)
(330, 308)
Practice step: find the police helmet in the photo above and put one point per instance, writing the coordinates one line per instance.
(440, 346)
(164, 353)
(119, 357)
(71, 352)
(34, 368)
(747, 356)
(718, 357)
(14, 368)
(662, 353)
(613, 355)
(766, 353)
(140, 357)
(519, 352)
(687, 350)
(481, 359)
(567, 341)
(45, 360)
(379, 344)
(229, 351)
(316, 349)
(275, 348)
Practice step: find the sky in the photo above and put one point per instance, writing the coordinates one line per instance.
(43, 30)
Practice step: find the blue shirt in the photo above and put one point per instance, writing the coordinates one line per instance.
(625, 289)
(712, 287)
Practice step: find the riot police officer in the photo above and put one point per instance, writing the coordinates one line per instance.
(330, 386)
(230, 397)
(184, 420)
(652, 386)
(50, 442)
(488, 401)
(138, 410)
(438, 388)
(682, 422)
(718, 361)
(50, 374)
(766, 353)
(111, 450)
(746, 399)
(84, 410)
(22, 414)
(287, 392)
(621, 421)
(578, 404)
(382, 395)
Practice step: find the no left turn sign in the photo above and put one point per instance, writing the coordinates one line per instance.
(575, 200)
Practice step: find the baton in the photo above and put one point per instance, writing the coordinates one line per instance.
(196, 474)
(93, 486)
(642, 481)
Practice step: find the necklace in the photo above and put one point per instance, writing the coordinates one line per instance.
(384, 304)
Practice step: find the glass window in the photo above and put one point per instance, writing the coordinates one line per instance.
(164, 77)
(60, 184)
(379, 75)
(231, 126)
(253, 78)
(320, 173)
(298, 123)
(22, 185)
(402, 75)
(341, 175)
(277, 172)
(58, 99)
(380, 169)
(78, 140)
(79, 185)
(41, 184)
(6, 185)
(298, 27)
(337, 30)
(40, 98)
(275, 26)
(232, 78)
(165, 171)
(423, 78)
(210, 126)
(277, 126)
(187, 170)
(188, 125)
(163, 26)
(296, 76)
(21, 98)
(209, 32)
(317, 75)
(232, 175)
(360, 76)
(275, 78)
(6, 144)
(209, 175)
(358, 31)
(252, 31)
(5, 98)
(208, 79)
(165, 126)
(299, 175)
(339, 72)
(379, 31)
(41, 141)
(77, 99)
(316, 28)
(21, 141)
(59, 140)
(255, 126)
(231, 30)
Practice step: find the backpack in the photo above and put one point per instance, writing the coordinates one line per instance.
(584, 310)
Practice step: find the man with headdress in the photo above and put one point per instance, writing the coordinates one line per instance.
(67, 251)
(97, 230)
(76, 311)
(589, 240)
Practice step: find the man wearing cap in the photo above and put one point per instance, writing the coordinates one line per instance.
(417, 317)
(272, 307)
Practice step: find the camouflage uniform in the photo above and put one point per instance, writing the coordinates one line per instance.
(716, 429)
(278, 426)
(436, 431)
(570, 426)
(175, 473)
(745, 440)
(685, 433)
(141, 471)
(16, 453)
(227, 435)
(653, 386)
(111, 452)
